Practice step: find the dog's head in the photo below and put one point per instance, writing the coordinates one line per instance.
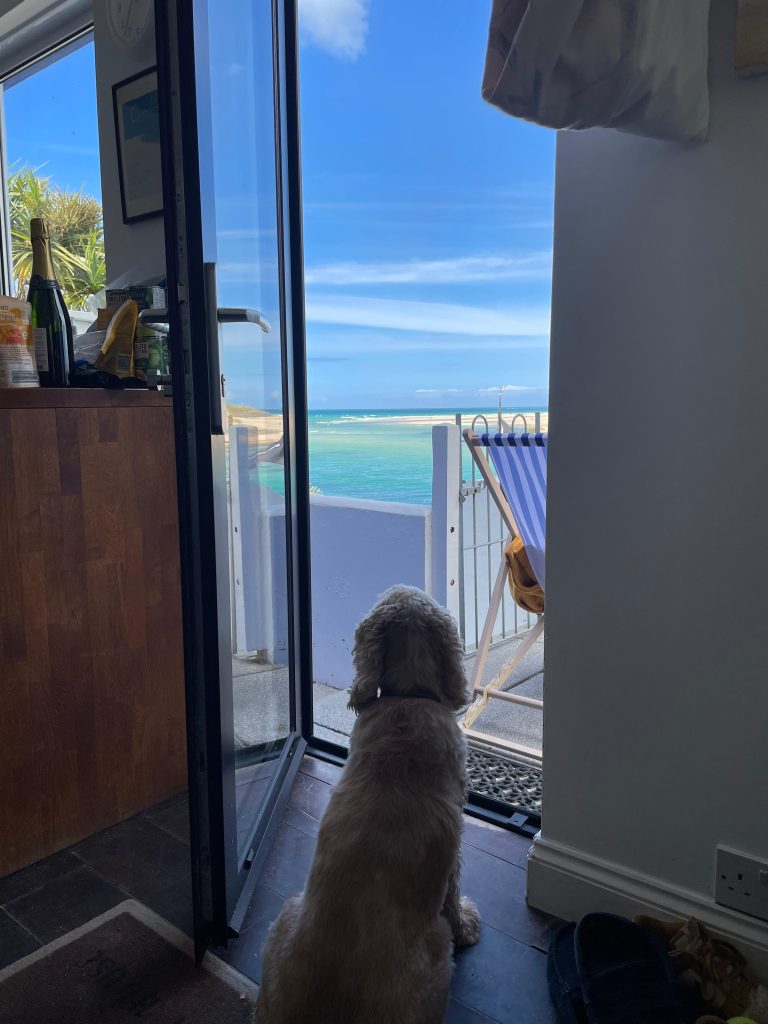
(408, 642)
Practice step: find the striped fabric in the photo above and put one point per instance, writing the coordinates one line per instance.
(520, 461)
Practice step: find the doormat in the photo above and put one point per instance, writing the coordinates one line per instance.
(517, 783)
(124, 967)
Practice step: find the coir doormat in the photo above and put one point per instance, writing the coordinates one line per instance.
(127, 966)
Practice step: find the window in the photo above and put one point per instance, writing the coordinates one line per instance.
(52, 170)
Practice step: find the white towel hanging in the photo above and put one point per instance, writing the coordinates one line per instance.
(636, 65)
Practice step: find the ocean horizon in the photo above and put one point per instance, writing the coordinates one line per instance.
(381, 454)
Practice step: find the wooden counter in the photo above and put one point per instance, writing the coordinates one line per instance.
(92, 725)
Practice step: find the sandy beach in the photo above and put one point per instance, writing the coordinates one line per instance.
(269, 425)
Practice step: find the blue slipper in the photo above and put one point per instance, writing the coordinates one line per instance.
(563, 978)
(625, 973)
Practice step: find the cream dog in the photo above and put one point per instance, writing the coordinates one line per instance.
(370, 939)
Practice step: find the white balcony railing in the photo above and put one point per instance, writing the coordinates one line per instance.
(360, 548)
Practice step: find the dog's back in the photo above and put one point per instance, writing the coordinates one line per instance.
(367, 942)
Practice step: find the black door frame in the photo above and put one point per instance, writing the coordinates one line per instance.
(222, 879)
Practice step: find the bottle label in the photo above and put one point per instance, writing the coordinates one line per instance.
(40, 341)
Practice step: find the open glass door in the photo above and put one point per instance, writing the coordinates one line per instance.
(229, 121)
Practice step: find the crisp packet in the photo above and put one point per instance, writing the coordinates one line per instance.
(18, 368)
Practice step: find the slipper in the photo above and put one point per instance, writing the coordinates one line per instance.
(563, 978)
(625, 972)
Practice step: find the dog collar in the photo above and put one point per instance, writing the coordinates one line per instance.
(419, 694)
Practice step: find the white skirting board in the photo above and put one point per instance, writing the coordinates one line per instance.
(569, 883)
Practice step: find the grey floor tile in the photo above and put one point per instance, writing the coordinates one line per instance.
(322, 770)
(24, 881)
(65, 903)
(173, 816)
(301, 820)
(244, 953)
(138, 856)
(498, 889)
(288, 862)
(15, 941)
(504, 979)
(500, 842)
(458, 1013)
(174, 903)
(310, 795)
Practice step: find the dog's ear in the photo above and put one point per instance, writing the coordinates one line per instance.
(454, 679)
(368, 658)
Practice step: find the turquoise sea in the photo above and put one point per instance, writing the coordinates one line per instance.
(383, 454)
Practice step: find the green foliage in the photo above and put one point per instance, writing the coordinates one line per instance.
(77, 237)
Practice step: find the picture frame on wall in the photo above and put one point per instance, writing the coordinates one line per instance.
(137, 130)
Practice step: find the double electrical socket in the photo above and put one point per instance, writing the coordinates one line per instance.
(741, 882)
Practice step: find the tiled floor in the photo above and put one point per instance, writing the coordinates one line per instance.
(501, 979)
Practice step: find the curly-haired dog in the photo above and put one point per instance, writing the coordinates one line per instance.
(370, 939)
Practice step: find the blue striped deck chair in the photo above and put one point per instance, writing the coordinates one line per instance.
(514, 469)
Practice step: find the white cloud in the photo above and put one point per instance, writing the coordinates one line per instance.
(536, 265)
(435, 317)
(338, 26)
(507, 387)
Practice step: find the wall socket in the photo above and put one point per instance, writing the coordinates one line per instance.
(741, 882)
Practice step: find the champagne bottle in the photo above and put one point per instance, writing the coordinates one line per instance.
(51, 326)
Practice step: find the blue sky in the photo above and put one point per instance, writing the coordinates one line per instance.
(428, 227)
(51, 122)
(428, 214)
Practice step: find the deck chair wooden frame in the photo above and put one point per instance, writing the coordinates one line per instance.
(481, 695)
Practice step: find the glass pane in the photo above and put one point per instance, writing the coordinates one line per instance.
(240, 39)
(55, 174)
(427, 241)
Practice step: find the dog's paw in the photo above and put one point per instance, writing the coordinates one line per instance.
(469, 923)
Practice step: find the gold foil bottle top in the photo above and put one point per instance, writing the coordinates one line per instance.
(38, 228)
(42, 265)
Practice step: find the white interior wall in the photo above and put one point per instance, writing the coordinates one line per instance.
(656, 706)
(137, 248)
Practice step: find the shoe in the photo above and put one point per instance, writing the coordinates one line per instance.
(625, 973)
(563, 978)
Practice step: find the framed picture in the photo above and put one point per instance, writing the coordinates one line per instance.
(137, 127)
(752, 37)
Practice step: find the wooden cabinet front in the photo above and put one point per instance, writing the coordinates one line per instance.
(92, 725)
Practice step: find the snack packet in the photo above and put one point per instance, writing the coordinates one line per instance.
(18, 368)
(116, 355)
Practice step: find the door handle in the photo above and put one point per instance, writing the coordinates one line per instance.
(224, 315)
(242, 315)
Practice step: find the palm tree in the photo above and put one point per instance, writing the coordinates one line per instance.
(77, 237)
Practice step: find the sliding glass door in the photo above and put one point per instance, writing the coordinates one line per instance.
(227, 79)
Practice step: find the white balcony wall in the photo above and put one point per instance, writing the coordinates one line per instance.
(359, 550)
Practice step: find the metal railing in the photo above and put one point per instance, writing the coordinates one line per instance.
(483, 536)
